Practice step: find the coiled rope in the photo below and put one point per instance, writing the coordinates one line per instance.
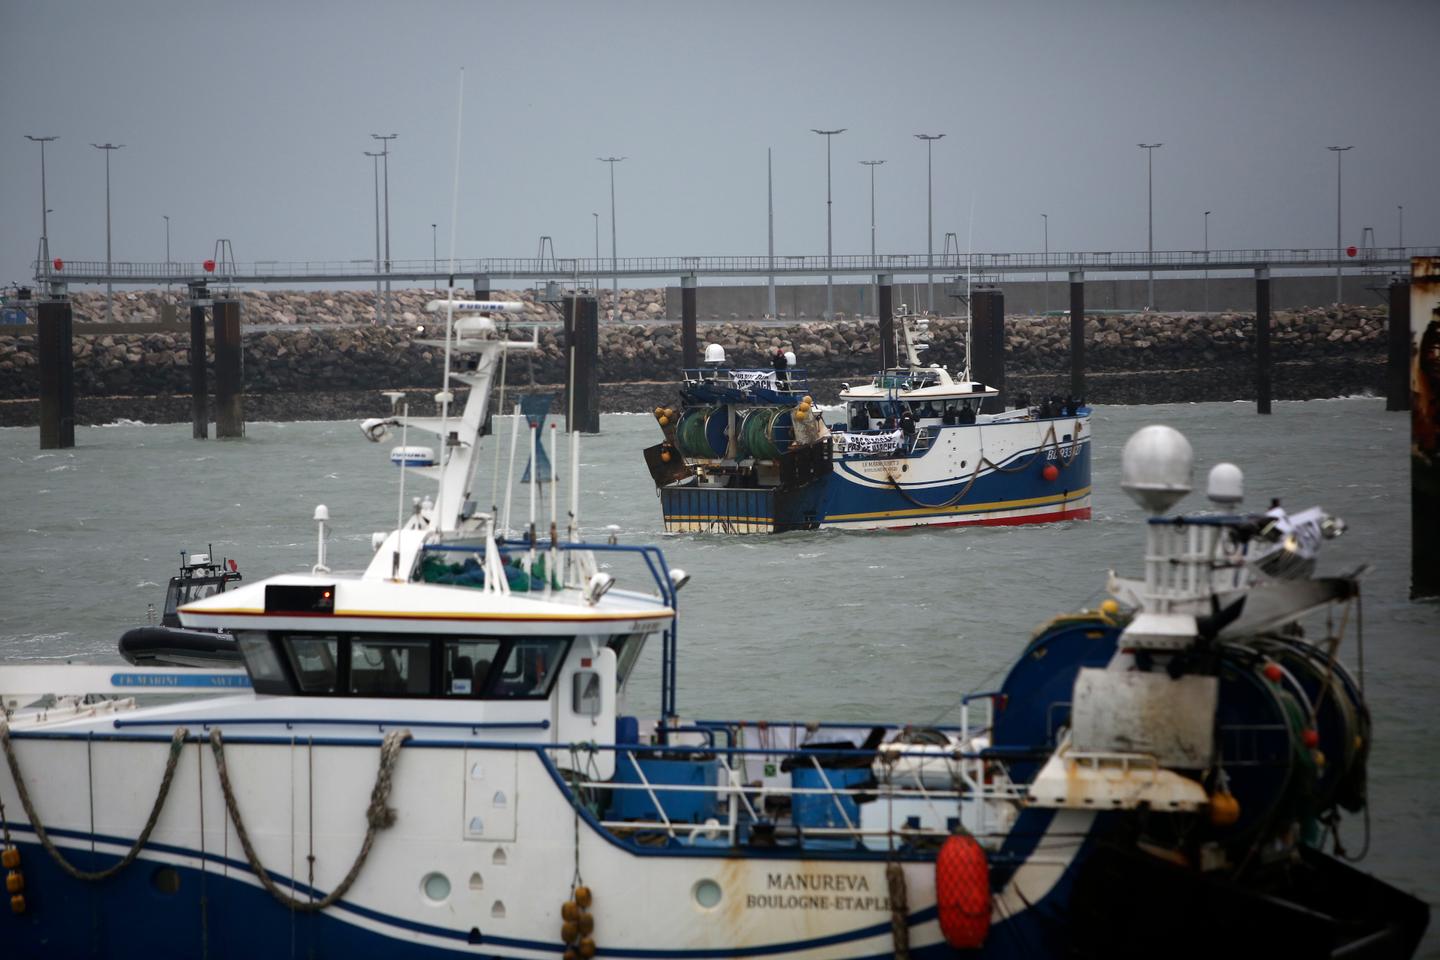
(177, 745)
(378, 816)
(985, 461)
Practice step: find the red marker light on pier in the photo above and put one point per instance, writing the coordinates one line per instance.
(209, 266)
(59, 264)
(1350, 251)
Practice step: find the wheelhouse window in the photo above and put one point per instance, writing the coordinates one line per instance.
(467, 666)
(627, 647)
(267, 674)
(315, 660)
(385, 667)
(380, 665)
(529, 669)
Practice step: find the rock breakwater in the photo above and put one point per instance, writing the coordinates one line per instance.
(323, 344)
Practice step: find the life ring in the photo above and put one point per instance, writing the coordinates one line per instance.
(962, 892)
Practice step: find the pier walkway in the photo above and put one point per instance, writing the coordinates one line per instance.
(989, 265)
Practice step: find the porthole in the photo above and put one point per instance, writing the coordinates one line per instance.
(436, 887)
(707, 894)
(166, 880)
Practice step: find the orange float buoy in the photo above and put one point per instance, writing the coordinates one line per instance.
(1050, 473)
(10, 859)
(582, 897)
(1272, 672)
(962, 892)
(1224, 809)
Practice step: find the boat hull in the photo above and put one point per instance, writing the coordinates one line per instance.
(1007, 474)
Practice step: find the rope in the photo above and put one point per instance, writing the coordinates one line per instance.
(177, 745)
(985, 461)
(378, 816)
(899, 910)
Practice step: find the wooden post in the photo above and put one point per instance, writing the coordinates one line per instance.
(689, 348)
(987, 339)
(1397, 369)
(885, 301)
(1262, 340)
(229, 377)
(1077, 334)
(57, 374)
(582, 340)
(199, 383)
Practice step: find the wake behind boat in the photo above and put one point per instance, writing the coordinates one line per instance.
(748, 451)
(435, 758)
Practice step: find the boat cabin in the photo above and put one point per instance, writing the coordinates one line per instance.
(929, 394)
(199, 578)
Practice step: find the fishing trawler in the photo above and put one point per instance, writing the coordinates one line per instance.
(748, 451)
(435, 758)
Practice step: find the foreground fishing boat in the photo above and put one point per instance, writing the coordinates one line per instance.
(435, 758)
(747, 451)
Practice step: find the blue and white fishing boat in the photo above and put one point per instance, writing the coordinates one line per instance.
(434, 758)
(748, 451)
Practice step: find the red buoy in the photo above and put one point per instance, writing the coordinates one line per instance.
(1311, 738)
(1273, 673)
(59, 264)
(1050, 472)
(1350, 251)
(962, 892)
(209, 266)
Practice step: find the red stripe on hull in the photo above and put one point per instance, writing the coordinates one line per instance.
(1081, 514)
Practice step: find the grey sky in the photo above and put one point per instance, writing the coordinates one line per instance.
(249, 121)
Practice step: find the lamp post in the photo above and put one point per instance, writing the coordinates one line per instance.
(1150, 149)
(44, 205)
(434, 257)
(167, 247)
(872, 164)
(829, 277)
(375, 162)
(929, 218)
(614, 263)
(1339, 153)
(1205, 287)
(1401, 207)
(385, 152)
(1045, 218)
(109, 148)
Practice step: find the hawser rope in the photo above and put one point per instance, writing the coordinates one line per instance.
(177, 744)
(984, 461)
(378, 815)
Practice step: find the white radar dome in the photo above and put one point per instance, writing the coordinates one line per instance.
(1156, 467)
(1226, 486)
(790, 358)
(714, 353)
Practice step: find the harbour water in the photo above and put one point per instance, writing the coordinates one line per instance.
(798, 627)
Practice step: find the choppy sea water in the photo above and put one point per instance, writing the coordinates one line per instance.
(804, 626)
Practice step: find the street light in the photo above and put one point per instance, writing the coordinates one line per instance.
(385, 152)
(596, 215)
(929, 218)
(614, 263)
(44, 205)
(1401, 208)
(829, 277)
(1150, 149)
(109, 148)
(1206, 286)
(1045, 218)
(1339, 152)
(872, 164)
(434, 257)
(167, 247)
(375, 162)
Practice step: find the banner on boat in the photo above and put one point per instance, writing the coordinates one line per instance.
(866, 442)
